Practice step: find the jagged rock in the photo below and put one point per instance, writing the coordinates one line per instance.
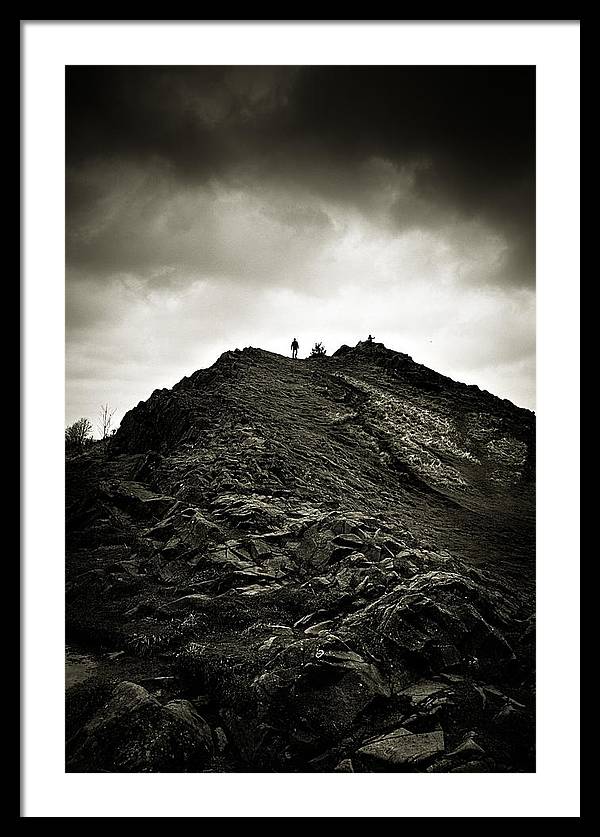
(259, 550)
(256, 589)
(133, 733)
(347, 579)
(184, 529)
(345, 766)
(319, 628)
(352, 541)
(247, 513)
(340, 552)
(231, 558)
(315, 548)
(165, 572)
(148, 467)
(318, 688)
(402, 747)
(312, 618)
(404, 563)
(423, 689)
(277, 535)
(513, 718)
(136, 498)
(468, 747)
(433, 616)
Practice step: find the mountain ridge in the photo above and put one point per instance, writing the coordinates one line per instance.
(377, 352)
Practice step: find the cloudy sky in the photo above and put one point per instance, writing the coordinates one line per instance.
(212, 208)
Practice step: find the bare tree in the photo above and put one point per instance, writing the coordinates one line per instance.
(78, 433)
(106, 415)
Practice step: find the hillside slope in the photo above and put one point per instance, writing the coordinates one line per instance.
(305, 565)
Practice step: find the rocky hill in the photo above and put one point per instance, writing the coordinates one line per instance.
(314, 565)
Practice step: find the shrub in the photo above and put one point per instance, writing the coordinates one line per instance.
(318, 350)
(78, 434)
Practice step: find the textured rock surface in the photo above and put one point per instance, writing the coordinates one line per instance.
(134, 733)
(402, 747)
(306, 565)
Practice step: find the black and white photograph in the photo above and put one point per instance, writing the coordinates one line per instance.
(300, 421)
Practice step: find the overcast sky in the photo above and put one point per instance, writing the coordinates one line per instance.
(212, 208)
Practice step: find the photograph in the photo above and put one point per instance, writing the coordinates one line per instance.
(300, 406)
(300, 427)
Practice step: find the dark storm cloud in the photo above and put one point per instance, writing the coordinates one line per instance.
(189, 117)
(464, 134)
(215, 207)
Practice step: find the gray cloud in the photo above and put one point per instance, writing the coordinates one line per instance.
(208, 206)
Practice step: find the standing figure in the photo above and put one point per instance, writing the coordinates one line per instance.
(369, 339)
(295, 346)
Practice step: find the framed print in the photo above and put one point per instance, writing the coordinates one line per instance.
(304, 527)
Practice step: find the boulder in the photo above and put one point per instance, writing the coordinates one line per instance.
(345, 766)
(136, 499)
(229, 557)
(402, 748)
(134, 733)
(315, 548)
(316, 688)
(186, 526)
(259, 550)
(468, 748)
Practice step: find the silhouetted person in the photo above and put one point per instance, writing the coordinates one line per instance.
(370, 339)
(295, 346)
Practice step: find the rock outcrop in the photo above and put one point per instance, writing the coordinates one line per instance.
(134, 733)
(307, 565)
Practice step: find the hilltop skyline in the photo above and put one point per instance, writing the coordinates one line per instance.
(213, 208)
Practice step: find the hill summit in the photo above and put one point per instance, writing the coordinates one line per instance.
(305, 565)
